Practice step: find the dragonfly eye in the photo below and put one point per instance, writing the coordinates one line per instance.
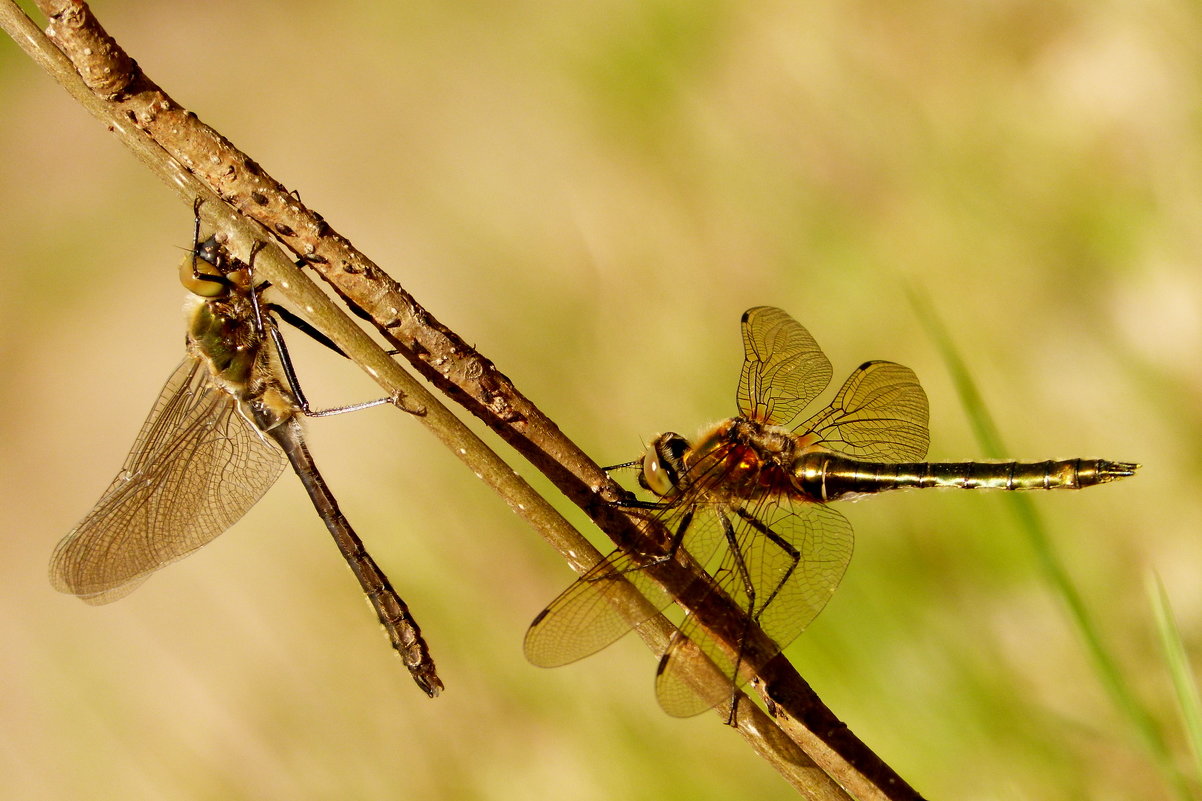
(203, 271)
(663, 463)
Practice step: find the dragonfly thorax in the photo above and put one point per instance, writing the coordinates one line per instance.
(226, 334)
(743, 456)
(220, 334)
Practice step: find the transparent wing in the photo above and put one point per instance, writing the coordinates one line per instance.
(592, 612)
(781, 565)
(879, 414)
(783, 367)
(195, 468)
(588, 615)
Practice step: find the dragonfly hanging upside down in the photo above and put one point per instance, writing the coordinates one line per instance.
(220, 434)
(748, 502)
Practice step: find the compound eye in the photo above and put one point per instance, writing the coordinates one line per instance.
(201, 276)
(211, 272)
(663, 462)
(672, 448)
(654, 477)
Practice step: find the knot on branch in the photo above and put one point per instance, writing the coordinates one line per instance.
(104, 66)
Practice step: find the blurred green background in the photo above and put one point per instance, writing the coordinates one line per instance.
(592, 193)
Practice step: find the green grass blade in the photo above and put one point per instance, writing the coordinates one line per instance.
(1051, 566)
(1188, 700)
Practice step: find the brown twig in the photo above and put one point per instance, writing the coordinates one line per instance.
(198, 161)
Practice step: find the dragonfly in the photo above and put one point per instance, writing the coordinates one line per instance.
(748, 502)
(224, 427)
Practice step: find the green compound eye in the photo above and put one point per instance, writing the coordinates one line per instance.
(200, 272)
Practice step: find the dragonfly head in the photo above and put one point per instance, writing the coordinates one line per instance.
(663, 463)
(208, 271)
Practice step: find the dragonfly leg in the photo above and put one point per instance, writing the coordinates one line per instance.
(780, 542)
(732, 718)
(301, 324)
(398, 400)
(266, 324)
(753, 613)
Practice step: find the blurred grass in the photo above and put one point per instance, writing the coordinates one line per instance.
(593, 193)
(1177, 664)
(1055, 573)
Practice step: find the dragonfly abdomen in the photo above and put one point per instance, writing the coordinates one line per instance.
(403, 631)
(824, 476)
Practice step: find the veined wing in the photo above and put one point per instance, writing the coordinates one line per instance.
(587, 616)
(592, 612)
(781, 564)
(879, 414)
(783, 367)
(195, 468)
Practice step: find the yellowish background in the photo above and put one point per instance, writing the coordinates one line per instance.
(592, 193)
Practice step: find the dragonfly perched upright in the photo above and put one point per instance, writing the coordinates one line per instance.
(220, 434)
(748, 502)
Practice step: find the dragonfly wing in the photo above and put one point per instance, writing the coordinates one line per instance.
(781, 565)
(596, 610)
(783, 367)
(880, 414)
(589, 614)
(195, 468)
